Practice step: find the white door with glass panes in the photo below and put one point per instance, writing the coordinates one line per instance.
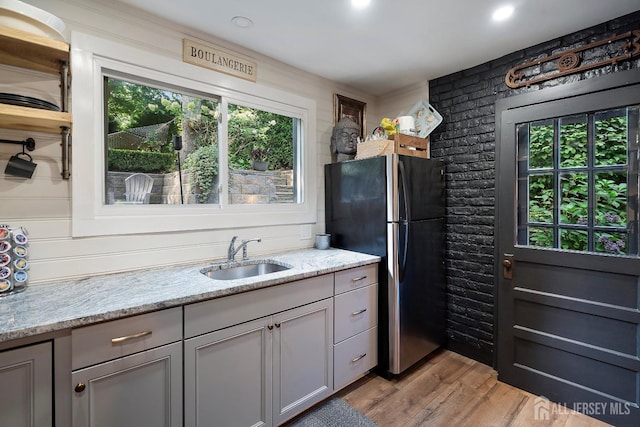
(568, 289)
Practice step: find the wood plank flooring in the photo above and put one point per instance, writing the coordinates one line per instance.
(448, 389)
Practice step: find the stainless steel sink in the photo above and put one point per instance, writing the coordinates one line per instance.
(244, 269)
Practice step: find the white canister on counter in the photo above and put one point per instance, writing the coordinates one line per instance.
(323, 241)
(407, 125)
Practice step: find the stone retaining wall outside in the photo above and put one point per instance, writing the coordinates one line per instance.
(246, 187)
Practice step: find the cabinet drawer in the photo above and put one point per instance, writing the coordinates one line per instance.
(106, 341)
(355, 312)
(354, 278)
(354, 357)
(208, 316)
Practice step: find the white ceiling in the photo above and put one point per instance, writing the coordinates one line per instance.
(391, 44)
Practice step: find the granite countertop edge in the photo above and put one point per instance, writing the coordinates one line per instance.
(55, 306)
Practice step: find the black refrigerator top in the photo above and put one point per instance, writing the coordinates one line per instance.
(362, 196)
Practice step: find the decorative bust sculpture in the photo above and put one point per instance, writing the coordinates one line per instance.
(345, 139)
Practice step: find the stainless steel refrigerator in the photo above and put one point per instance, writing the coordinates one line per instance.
(393, 206)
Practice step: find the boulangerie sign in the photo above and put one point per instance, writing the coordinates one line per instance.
(217, 60)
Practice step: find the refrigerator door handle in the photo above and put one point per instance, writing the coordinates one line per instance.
(393, 297)
(403, 261)
(405, 192)
(407, 219)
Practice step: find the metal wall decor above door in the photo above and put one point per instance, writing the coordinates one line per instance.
(625, 46)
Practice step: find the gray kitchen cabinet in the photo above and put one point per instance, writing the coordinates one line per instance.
(302, 358)
(228, 376)
(128, 372)
(26, 394)
(356, 324)
(249, 371)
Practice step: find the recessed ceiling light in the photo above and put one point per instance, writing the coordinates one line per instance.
(242, 22)
(503, 12)
(360, 4)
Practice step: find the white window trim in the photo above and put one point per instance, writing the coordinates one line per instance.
(91, 217)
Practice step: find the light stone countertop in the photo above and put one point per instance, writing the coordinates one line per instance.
(55, 306)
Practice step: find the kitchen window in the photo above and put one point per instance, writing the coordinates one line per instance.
(161, 145)
(167, 143)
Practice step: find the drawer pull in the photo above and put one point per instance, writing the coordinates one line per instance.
(355, 313)
(358, 358)
(130, 337)
(357, 279)
(79, 388)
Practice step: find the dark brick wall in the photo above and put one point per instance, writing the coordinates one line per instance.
(466, 142)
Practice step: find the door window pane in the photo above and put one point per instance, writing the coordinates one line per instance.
(541, 198)
(611, 199)
(573, 141)
(541, 237)
(541, 145)
(573, 198)
(611, 243)
(611, 137)
(583, 195)
(573, 240)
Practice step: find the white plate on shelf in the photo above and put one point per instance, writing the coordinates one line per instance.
(426, 117)
(22, 16)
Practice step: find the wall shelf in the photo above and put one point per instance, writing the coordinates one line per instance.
(31, 51)
(33, 119)
(26, 50)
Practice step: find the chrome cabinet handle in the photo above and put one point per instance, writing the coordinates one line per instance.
(358, 358)
(130, 337)
(357, 279)
(355, 313)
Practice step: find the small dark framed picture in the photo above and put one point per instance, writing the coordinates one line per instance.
(355, 110)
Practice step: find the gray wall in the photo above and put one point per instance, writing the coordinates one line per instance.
(466, 142)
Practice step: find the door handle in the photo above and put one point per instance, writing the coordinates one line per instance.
(507, 267)
(130, 337)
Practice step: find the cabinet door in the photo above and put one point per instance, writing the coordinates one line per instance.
(302, 358)
(227, 376)
(26, 391)
(144, 389)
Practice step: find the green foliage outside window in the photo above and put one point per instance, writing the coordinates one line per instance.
(139, 161)
(610, 186)
(203, 163)
(252, 133)
(132, 105)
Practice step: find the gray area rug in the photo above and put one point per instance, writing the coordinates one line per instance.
(334, 412)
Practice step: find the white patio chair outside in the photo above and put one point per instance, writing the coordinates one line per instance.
(138, 188)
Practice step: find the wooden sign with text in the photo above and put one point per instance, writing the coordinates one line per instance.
(217, 60)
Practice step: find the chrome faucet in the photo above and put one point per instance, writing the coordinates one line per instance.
(231, 254)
